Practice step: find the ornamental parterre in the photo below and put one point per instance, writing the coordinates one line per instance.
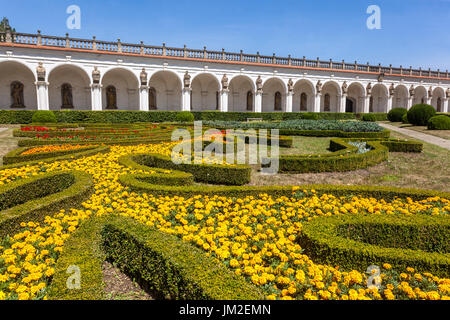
(255, 237)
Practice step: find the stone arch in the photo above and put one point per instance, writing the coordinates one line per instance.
(168, 86)
(205, 88)
(400, 98)
(152, 99)
(14, 71)
(239, 87)
(126, 84)
(306, 89)
(333, 90)
(379, 98)
(437, 100)
(274, 94)
(420, 95)
(356, 93)
(79, 81)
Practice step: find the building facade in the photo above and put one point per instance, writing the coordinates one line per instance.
(54, 73)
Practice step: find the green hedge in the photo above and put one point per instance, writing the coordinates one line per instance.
(70, 156)
(374, 117)
(211, 173)
(344, 158)
(170, 267)
(81, 249)
(165, 265)
(117, 116)
(34, 198)
(16, 157)
(441, 122)
(396, 114)
(397, 240)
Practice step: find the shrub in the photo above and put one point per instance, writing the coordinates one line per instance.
(34, 198)
(441, 122)
(44, 116)
(185, 116)
(357, 241)
(172, 269)
(310, 116)
(396, 114)
(369, 117)
(419, 114)
(405, 118)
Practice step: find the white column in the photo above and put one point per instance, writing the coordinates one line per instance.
(96, 97)
(343, 101)
(389, 104)
(289, 101)
(258, 102)
(143, 98)
(410, 102)
(366, 105)
(186, 103)
(223, 101)
(446, 107)
(428, 100)
(42, 95)
(317, 99)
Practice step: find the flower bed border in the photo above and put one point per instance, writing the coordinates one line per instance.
(322, 241)
(76, 187)
(173, 268)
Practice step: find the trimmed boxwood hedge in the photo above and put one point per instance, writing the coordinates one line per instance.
(344, 158)
(181, 185)
(356, 241)
(441, 122)
(396, 114)
(165, 265)
(34, 198)
(70, 156)
(16, 157)
(211, 173)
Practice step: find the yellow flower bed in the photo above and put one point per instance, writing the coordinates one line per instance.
(54, 148)
(254, 236)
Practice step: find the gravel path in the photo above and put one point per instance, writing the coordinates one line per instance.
(443, 143)
(7, 142)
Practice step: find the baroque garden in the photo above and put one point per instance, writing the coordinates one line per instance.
(94, 172)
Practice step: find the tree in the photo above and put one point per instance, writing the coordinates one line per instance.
(4, 25)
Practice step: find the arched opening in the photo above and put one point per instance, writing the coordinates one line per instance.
(303, 102)
(66, 96)
(111, 97)
(420, 95)
(125, 84)
(249, 101)
(241, 96)
(17, 97)
(355, 97)
(69, 83)
(437, 99)
(272, 98)
(167, 86)
(303, 97)
(327, 103)
(350, 105)
(277, 103)
(330, 97)
(17, 86)
(379, 99)
(217, 100)
(204, 92)
(152, 100)
(400, 98)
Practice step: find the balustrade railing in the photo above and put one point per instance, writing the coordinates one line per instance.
(146, 50)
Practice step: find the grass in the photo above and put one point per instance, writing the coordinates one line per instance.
(428, 170)
(444, 134)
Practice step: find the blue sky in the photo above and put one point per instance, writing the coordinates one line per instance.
(414, 32)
